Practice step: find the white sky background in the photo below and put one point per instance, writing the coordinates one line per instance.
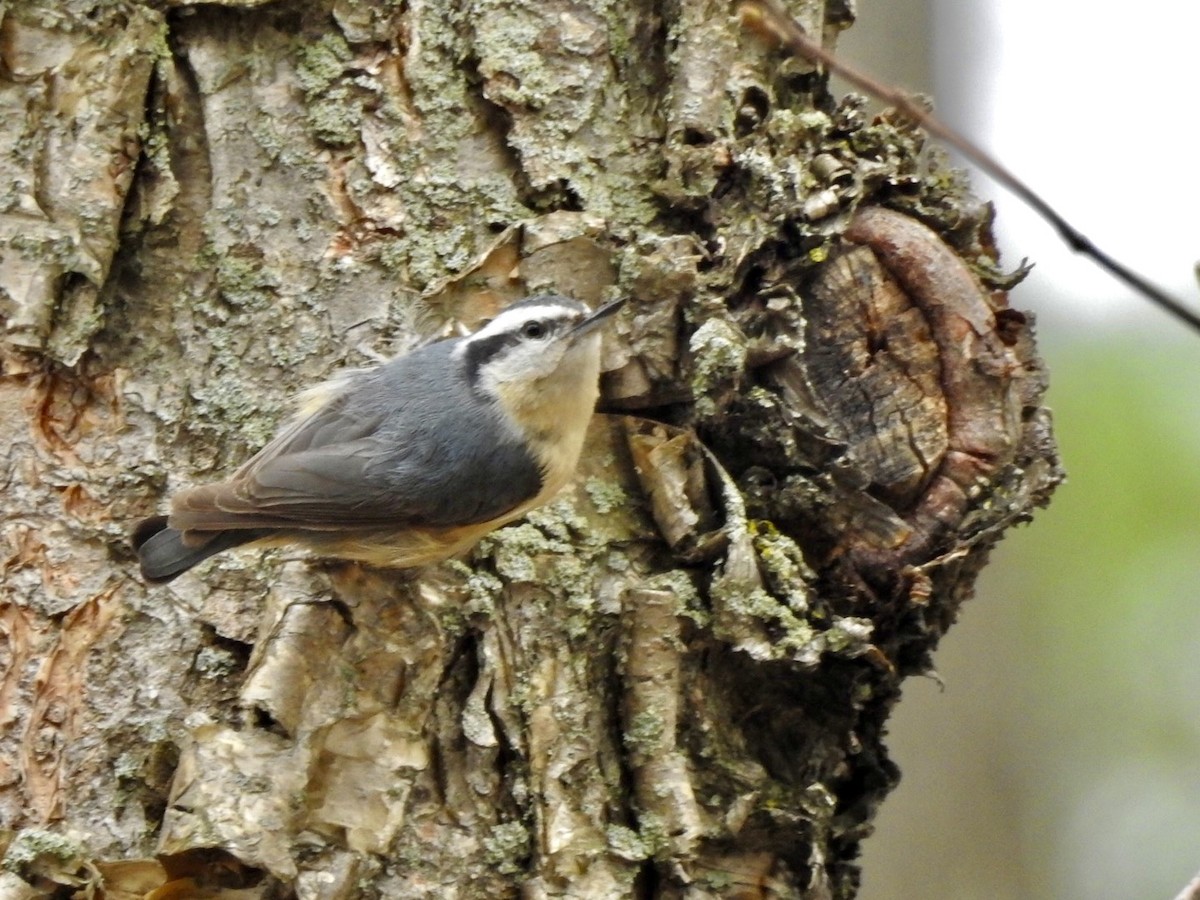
(1100, 114)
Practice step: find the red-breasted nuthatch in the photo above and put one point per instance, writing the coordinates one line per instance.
(413, 461)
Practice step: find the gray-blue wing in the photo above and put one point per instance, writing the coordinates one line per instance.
(394, 447)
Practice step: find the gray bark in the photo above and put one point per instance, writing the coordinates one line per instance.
(819, 415)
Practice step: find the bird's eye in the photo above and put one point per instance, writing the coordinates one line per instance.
(533, 329)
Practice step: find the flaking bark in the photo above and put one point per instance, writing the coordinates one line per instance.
(819, 415)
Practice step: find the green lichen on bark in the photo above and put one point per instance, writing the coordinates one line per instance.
(333, 109)
(655, 153)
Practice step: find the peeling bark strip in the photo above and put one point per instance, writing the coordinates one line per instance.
(662, 781)
(672, 682)
(67, 171)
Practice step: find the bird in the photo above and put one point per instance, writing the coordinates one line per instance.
(413, 461)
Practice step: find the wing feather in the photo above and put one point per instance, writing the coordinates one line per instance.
(391, 448)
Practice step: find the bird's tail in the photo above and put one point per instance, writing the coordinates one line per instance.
(164, 554)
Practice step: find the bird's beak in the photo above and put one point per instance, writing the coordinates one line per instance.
(596, 319)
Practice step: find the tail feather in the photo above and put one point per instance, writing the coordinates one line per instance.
(165, 555)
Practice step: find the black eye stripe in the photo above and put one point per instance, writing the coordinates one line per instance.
(482, 350)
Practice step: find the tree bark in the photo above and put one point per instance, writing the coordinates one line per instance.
(819, 414)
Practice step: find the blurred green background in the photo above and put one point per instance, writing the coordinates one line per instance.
(1061, 760)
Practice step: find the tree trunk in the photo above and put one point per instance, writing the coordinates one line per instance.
(820, 414)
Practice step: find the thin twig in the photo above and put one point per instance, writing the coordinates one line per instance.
(768, 19)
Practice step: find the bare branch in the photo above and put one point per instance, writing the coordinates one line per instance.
(768, 19)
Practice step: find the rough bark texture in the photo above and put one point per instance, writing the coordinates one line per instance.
(671, 682)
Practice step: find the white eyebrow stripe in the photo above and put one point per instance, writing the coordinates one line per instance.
(508, 319)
